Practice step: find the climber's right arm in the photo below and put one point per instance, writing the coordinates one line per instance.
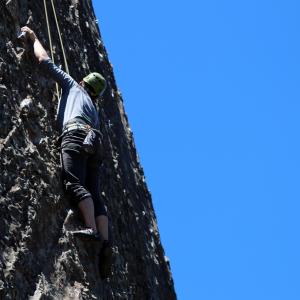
(39, 51)
(58, 75)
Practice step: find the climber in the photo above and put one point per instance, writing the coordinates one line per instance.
(78, 122)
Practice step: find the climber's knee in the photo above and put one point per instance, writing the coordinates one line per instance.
(75, 192)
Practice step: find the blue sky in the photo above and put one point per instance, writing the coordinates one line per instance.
(211, 89)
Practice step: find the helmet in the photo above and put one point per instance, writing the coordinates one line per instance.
(96, 83)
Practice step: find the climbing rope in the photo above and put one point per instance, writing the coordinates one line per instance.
(60, 38)
(50, 41)
(48, 27)
(59, 34)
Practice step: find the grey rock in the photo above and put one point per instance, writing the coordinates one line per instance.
(39, 257)
(13, 7)
(26, 106)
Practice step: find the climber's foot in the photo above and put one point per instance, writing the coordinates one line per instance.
(88, 233)
(105, 260)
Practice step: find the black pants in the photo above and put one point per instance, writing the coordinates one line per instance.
(80, 171)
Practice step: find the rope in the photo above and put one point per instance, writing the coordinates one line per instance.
(60, 39)
(50, 41)
(59, 34)
(48, 27)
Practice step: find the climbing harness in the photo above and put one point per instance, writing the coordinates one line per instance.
(93, 139)
(60, 38)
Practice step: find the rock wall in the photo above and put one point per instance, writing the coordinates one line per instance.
(39, 258)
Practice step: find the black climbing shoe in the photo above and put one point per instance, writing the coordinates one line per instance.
(88, 233)
(105, 260)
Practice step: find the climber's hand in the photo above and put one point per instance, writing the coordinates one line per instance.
(39, 51)
(30, 33)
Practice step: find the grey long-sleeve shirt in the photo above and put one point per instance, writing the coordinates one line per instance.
(74, 100)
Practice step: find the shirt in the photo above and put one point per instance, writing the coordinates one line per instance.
(74, 100)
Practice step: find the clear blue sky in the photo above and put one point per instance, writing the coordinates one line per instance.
(211, 89)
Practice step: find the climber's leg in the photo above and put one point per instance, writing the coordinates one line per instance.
(86, 207)
(102, 226)
(74, 175)
(100, 214)
(105, 260)
(93, 185)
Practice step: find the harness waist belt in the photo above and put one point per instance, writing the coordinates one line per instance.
(76, 126)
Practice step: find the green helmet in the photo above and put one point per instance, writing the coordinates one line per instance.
(96, 83)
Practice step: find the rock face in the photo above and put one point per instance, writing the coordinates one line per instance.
(39, 257)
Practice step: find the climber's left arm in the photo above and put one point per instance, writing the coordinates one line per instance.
(39, 51)
(61, 77)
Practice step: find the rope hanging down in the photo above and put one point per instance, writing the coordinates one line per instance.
(60, 38)
(59, 34)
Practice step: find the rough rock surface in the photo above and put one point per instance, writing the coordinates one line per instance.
(39, 257)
